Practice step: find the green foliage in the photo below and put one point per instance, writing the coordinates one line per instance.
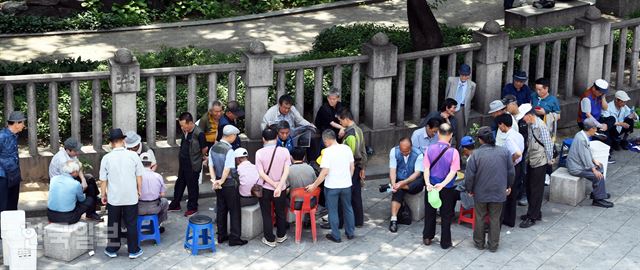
(633, 15)
(516, 33)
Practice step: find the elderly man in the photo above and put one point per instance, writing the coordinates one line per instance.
(496, 108)
(462, 89)
(488, 178)
(337, 168)
(593, 103)
(9, 162)
(447, 113)
(538, 157)
(193, 149)
(422, 137)
(518, 88)
(581, 163)
(88, 182)
(354, 138)
(621, 119)
(209, 123)
(151, 201)
(405, 166)
(546, 106)
(231, 115)
(222, 167)
(284, 111)
(326, 116)
(121, 175)
(67, 201)
(514, 142)
(133, 142)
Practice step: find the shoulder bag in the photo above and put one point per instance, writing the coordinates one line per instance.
(256, 190)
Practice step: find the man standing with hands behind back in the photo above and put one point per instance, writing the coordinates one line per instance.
(462, 89)
(121, 175)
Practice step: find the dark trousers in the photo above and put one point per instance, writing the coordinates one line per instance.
(92, 192)
(599, 188)
(508, 4)
(228, 202)
(246, 201)
(356, 199)
(280, 204)
(338, 205)
(8, 195)
(511, 204)
(535, 190)
(415, 187)
(189, 179)
(494, 210)
(74, 215)
(614, 136)
(129, 215)
(521, 184)
(448, 196)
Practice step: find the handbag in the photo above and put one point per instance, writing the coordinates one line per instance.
(404, 214)
(256, 190)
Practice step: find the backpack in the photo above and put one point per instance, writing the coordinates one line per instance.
(404, 214)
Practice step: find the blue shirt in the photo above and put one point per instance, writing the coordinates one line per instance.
(461, 93)
(421, 140)
(286, 144)
(9, 161)
(549, 104)
(522, 96)
(64, 193)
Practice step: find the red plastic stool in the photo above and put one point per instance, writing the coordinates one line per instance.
(467, 219)
(306, 208)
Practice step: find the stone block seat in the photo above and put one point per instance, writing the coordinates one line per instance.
(66, 242)
(564, 13)
(251, 219)
(566, 188)
(416, 204)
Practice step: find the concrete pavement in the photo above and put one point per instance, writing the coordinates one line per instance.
(583, 237)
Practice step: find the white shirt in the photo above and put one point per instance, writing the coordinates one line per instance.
(338, 159)
(514, 142)
(58, 161)
(618, 114)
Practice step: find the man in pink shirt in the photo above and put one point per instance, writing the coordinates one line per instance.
(273, 167)
(248, 176)
(151, 199)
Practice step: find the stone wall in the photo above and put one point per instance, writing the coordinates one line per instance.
(620, 8)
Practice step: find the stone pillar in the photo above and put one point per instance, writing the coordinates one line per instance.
(125, 84)
(488, 64)
(258, 78)
(382, 67)
(590, 49)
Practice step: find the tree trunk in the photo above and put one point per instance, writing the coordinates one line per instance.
(423, 27)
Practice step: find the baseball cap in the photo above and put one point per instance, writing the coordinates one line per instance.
(622, 95)
(508, 99)
(602, 86)
(464, 69)
(230, 130)
(72, 144)
(241, 152)
(522, 110)
(590, 123)
(146, 157)
(466, 141)
(495, 106)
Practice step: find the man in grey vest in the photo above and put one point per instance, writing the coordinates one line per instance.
(222, 166)
(192, 151)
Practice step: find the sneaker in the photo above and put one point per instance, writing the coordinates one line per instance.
(135, 255)
(523, 202)
(110, 254)
(393, 226)
(281, 239)
(612, 160)
(527, 223)
(190, 213)
(94, 216)
(602, 203)
(266, 242)
(174, 208)
(332, 239)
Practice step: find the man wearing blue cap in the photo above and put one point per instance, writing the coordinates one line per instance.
(9, 162)
(462, 89)
(518, 88)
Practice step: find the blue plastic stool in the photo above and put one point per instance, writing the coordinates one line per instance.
(200, 227)
(151, 225)
(566, 144)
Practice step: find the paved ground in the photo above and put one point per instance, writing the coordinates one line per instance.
(583, 237)
(282, 35)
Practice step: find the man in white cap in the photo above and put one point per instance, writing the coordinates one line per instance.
(621, 119)
(87, 181)
(247, 175)
(581, 163)
(222, 166)
(133, 142)
(496, 108)
(9, 162)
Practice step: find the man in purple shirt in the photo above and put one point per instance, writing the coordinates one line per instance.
(151, 201)
(247, 176)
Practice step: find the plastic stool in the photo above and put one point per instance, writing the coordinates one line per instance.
(199, 227)
(152, 226)
(467, 219)
(566, 144)
(305, 208)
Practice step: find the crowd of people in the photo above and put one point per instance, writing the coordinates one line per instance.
(504, 165)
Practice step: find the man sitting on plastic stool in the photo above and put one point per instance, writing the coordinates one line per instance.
(405, 166)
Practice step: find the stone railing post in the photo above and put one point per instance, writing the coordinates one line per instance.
(590, 49)
(125, 84)
(382, 67)
(488, 64)
(258, 78)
